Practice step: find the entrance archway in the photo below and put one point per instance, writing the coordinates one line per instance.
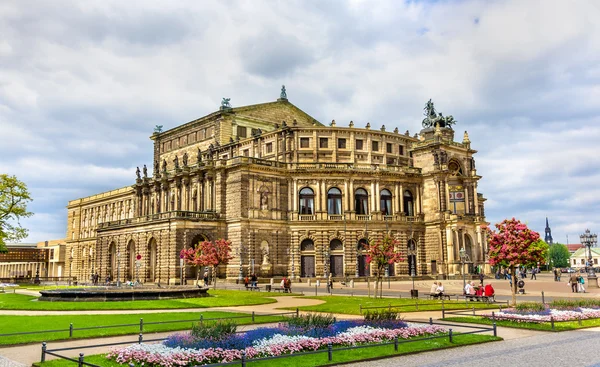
(112, 260)
(307, 258)
(363, 266)
(131, 253)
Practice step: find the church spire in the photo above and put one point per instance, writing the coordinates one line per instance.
(548, 236)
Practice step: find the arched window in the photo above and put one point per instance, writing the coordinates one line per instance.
(408, 204)
(307, 245)
(334, 201)
(361, 201)
(336, 245)
(307, 201)
(386, 202)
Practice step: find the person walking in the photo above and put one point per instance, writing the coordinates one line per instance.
(533, 273)
(481, 277)
(581, 283)
(205, 278)
(573, 282)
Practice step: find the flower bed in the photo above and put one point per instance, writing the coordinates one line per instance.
(274, 342)
(546, 315)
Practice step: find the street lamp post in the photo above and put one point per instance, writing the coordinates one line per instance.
(589, 239)
(463, 254)
(70, 268)
(241, 254)
(119, 269)
(325, 255)
(37, 268)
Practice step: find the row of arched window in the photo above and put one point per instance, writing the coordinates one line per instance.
(361, 202)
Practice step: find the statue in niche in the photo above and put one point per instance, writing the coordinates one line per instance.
(164, 165)
(265, 253)
(156, 167)
(185, 159)
(176, 162)
(145, 171)
(199, 157)
(137, 173)
(436, 159)
(264, 201)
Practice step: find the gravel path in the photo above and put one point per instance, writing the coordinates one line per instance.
(572, 348)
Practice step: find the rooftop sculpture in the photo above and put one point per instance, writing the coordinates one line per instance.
(432, 117)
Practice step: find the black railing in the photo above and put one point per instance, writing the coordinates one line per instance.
(329, 350)
(141, 324)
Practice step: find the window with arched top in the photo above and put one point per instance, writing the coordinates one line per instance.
(334, 201)
(336, 245)
(386, 202)
(307, 201)
(361, 201)
(307, 245)
(408, 204)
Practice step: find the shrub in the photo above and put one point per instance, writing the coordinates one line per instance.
(527, 307)
(568, 304)
(311, 321)
(214, 330)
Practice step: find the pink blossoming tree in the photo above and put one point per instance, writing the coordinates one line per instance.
(192, 256)
(215, 253)
(514, 245)
(382, 253)
(208, 253)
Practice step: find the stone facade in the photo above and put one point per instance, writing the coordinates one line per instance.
(295, 198)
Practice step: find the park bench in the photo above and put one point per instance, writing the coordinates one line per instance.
(281, 289)
(472, 297)
(440, 296)
(253, 288)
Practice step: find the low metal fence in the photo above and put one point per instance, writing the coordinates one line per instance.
(243, 361)
(71, 330)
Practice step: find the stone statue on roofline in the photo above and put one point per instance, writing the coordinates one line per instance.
(432, 117)
(145, 170)
(185, 159)
(283, 94)
(137, 173)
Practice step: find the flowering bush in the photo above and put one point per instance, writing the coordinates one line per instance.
(348, 333)
(546, 315)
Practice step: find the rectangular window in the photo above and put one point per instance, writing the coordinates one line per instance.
(341, 143)
(390, 161)
(304, 142)
(241, 131)
(401, 149)
(359, 144)
(375, 146)
(51, 254)
(246, 152)
(323, 142)
(389, 147)
(269, 147)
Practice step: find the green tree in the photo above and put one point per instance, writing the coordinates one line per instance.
(13, 206)
(559, 255)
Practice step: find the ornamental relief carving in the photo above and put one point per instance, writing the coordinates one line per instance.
(307, 182)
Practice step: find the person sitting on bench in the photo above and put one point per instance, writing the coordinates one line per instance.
(439, 291)
(489, 291)
(433, 288)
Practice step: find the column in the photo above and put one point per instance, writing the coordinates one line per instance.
(401, 198)
(351, 196)
(450, 244)
(467, 199)
(295, 196)
(373, 205)
(418, 198)
(346, 198)
(377, 197)
(475, 200)
(447, 198)
(397, 206)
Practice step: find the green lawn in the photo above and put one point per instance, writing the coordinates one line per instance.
(351, 305)
(546, 326)
(15, 324)
(218, 298)
(321, 358)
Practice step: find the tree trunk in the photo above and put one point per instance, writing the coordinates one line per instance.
(197, 273)
(215, 276)
(513, 275)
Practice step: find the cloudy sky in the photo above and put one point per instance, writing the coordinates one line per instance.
(83, 83)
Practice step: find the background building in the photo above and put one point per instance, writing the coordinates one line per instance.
(24, 260)
(295, 198)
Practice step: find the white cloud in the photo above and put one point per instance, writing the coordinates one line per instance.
(83, 84)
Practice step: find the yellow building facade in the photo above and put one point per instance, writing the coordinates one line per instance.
(295, 198)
